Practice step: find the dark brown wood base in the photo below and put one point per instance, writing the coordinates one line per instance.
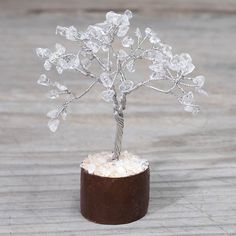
(108, 200)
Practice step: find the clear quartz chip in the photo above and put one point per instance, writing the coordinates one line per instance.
(106, 64)
(166, 49)
(138, 33)
(60, 49)
(43, 80)
(43, 52)
(47, 65)
(127, 42)
(59, 69)
(53, 114)
(188, 98)
(126, 86)
(122, 31)
(60, 86)
(201, 91)
(154, 39)
(154, 76)
(188, 68)
(122, 55)
(86, 63)
(71, 33)
(64, 114)
(113, 18)
(175, 63)
(94, 47)
(76, 62)
(108, 95)
(106, 80)
(199, 81)
(53, 124)
(130, 66)
(156, 67)
(128, 13)
(53, 94)
(193, 109)
(148, 32)
(182, 62)
(61, 30)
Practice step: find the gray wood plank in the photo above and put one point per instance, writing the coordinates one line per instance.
(193, 159)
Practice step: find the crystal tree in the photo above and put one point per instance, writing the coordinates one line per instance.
(96, 46)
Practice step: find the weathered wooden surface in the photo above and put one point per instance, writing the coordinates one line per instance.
(193, 160)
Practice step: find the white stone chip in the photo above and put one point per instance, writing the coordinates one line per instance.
(127, 165)
(91, 168)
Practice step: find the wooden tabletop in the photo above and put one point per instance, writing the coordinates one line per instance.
(193, 159)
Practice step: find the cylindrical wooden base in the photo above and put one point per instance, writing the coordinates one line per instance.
(107, 200)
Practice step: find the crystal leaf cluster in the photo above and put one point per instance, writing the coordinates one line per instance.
(96, 46)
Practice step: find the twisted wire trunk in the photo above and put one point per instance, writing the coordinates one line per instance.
(119, 117)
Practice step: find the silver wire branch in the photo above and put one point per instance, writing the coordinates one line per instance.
(119, 117)
(82, 94)
(161, 90)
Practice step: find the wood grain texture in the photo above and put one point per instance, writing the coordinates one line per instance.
(193, 160)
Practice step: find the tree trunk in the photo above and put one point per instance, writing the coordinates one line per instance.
(119, 117)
